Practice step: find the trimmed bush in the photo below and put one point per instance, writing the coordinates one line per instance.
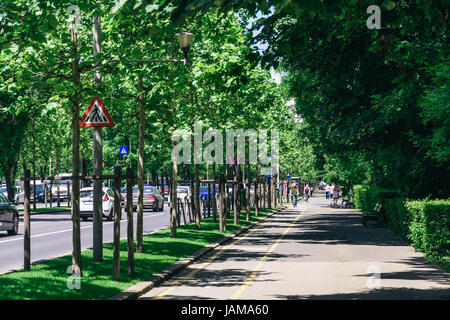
(397, 217)
(366, 197)
(429, 227)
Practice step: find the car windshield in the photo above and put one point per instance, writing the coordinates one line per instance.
(149, 190)
(87, 194)
(39, 188)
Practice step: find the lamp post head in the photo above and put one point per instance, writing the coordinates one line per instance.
(185, 39)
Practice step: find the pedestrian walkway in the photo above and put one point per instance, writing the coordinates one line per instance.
(312, 251)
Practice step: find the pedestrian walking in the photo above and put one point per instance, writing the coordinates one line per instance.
(335, 196)
(327, 191)
(332, 187)
(306, 191)
(294, 194)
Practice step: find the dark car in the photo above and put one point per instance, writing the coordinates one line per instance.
(152, 198)
(40, 193)
(9, 216)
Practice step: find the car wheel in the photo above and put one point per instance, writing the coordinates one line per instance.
(110, 217)
(15, 228)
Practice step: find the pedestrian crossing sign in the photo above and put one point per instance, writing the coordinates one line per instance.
(96, 115)
(123, 151)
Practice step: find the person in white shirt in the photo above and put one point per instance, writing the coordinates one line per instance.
(332, 187)
(306, 191)
(327, 191)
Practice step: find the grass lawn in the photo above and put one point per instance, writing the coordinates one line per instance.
(38, 210)
(48, 280)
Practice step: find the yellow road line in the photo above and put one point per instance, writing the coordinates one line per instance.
(258, 267)
(204, 265)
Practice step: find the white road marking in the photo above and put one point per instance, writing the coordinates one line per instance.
(67, 230)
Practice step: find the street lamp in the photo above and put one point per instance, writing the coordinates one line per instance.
(185, 39)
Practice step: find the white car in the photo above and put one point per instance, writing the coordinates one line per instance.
(87, 203)
(183, 192)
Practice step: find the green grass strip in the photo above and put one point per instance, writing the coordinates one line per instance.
(48, 280)
(49, 209)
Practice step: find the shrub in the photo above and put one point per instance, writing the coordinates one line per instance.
(429, 227)
(397, 217)
(366, 197)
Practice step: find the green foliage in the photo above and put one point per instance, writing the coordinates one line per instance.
(430, 226)
(366, 197)
(397, 217)
(376, 101)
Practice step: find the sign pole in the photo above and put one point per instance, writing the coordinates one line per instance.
(97, 163)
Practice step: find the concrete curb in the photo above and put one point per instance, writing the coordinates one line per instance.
(143, 287)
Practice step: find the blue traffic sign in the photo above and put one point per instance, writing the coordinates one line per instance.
(123, 151)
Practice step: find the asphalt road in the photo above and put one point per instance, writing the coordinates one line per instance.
(310, 252)
(51, 236)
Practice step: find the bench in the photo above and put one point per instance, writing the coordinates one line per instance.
(347, 203)
(376, 215)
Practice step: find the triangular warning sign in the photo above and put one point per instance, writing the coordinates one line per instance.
(96, 115)
(123, 151)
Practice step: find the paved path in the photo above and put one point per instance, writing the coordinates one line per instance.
(313, 251)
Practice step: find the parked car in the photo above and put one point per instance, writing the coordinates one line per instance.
(87, 203)
(40, 193)
(183, 192)
(18, 193)
(152, 198)
(63, 195)
(9, 216)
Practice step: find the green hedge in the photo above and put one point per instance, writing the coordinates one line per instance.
(397, 217)
(429, 227)
(423, 223)
(366, 197)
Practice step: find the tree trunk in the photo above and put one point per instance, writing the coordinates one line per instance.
(247, 199)
(173, 198)
(256, 195)
(214, 204)
(140, 206)
(34, 166)
(236, 208)
(130, 233)
(222, 204)
(76, 241)
(26, 223)
(117, 213)
(197, 198)
(264, 186)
